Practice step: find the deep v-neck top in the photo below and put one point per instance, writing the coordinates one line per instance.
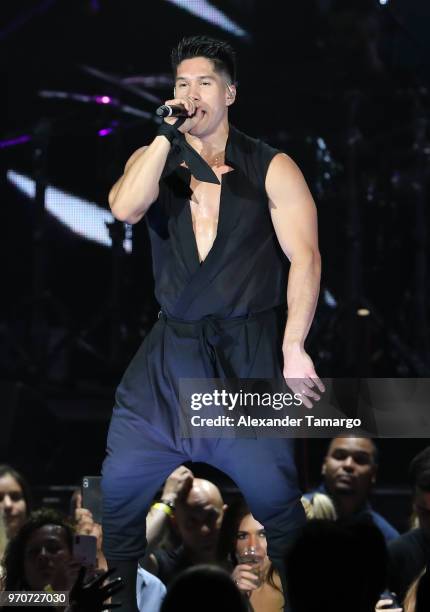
(245, 270)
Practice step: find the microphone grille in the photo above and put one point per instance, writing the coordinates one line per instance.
(164, 111)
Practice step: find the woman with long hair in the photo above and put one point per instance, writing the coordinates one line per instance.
(243, 541)
(15, 499)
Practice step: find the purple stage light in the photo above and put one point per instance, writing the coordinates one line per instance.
(103, 100)
(12, 142)
(105, 132)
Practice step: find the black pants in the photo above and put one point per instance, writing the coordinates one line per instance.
(145, 445)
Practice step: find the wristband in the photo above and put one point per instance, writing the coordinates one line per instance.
(164, 507)
(168, 502)
(170, 131)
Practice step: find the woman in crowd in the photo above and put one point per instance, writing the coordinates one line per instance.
(40, 558)
(15, 499)
(40, 555)
(244, 538)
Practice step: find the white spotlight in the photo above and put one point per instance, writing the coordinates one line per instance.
(211, 14)
(84, 218)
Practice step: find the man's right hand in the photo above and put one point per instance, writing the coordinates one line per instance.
(178, 484)
(194, 110)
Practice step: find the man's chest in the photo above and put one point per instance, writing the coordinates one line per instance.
(193, 214)
(205, 200)
(205, 197)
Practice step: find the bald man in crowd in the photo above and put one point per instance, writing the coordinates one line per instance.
(349, 472)
(197, 511)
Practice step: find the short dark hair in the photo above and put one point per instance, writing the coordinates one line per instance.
(14, 555)
(348, 434)
(419, 470)
(219, 52)
(205, 587)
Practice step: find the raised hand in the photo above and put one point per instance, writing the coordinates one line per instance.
(245, 579)
(91, 596)
(178, 484)
(194, 109)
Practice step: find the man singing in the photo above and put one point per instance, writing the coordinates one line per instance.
(224, 211)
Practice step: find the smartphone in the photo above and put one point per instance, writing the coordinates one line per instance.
(85, 550)
(92, 496)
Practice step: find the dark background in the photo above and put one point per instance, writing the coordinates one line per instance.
(341, 86)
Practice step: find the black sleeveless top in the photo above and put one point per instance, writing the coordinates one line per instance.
(245, 270)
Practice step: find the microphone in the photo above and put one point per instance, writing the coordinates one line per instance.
(174, 110)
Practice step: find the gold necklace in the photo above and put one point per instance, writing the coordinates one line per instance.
(219, 159)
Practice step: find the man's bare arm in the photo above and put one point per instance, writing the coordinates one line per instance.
(295, 221)
(137, 189)
(294, 218)
(177, 486)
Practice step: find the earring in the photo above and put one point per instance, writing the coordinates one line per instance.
(230, 91)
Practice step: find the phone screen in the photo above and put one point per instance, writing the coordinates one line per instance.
(92, 496)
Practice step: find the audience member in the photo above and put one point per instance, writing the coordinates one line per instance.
(15, 499)
(204, 588)
(409, 554)
(349, 472)
(39, 554)
(150, 591)
(198, 515)
(254, 573)
(40, 557)
(334, 567)
(160, 531)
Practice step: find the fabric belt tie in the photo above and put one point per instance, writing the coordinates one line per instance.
(212, 340)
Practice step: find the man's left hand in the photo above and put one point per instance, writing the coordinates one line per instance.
(300, 375)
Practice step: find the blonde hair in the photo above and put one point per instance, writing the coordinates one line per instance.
(414, 521)
(319, 506)
(3, 544)
(3, 536)
(410, 600)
